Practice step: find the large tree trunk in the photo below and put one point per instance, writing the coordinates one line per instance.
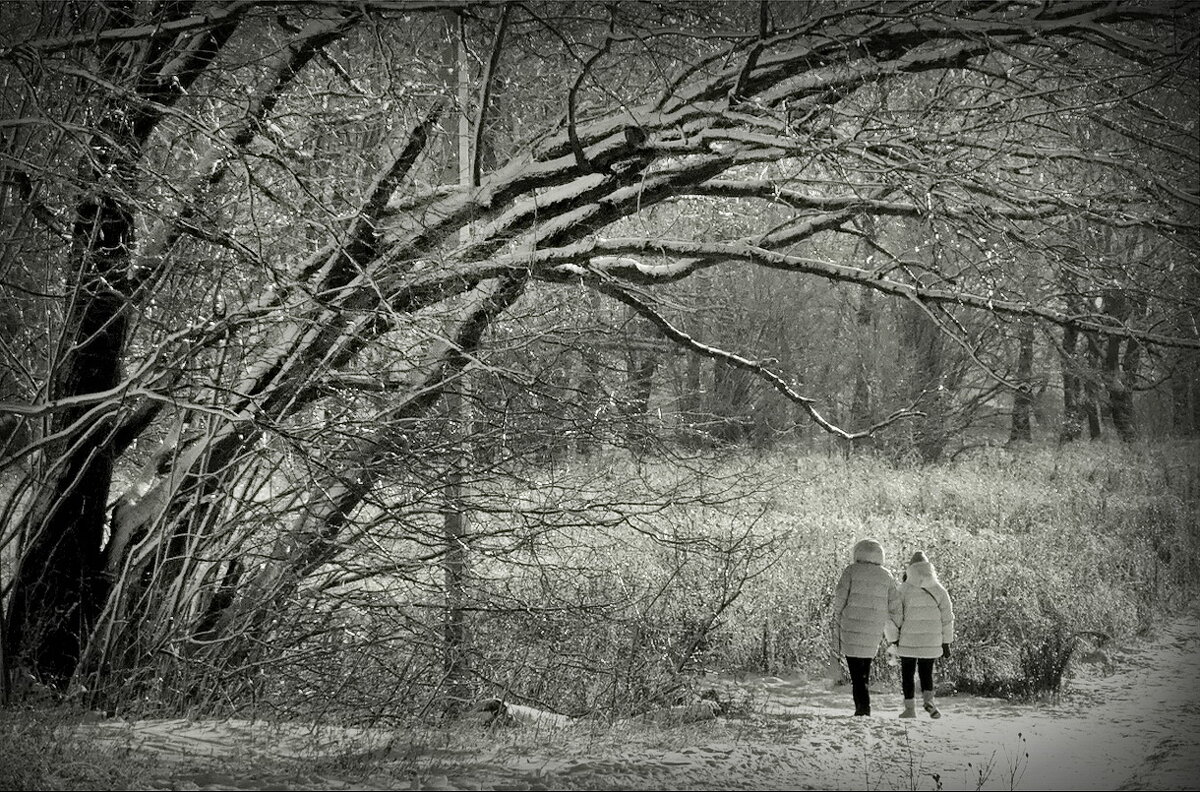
(64, 580)
(60, 586)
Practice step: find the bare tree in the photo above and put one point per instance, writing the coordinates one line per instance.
(266, 292)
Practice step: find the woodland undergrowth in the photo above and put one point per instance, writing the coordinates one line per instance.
(1048, 552)
(592, 600)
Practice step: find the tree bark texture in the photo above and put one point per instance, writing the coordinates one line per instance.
(1022, 416)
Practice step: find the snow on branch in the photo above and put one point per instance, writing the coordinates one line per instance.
(196, 22)
(617, 260)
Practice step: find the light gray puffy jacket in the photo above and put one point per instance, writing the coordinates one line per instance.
(924, 616)
(866, 593)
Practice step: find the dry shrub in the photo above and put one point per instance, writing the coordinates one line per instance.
(1037, 547)
(575, 608)
(47, 749)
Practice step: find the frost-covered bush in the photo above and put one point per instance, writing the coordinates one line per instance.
(1037, 548)
(580, 605)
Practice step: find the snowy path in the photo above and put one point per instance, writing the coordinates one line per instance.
(1137, 728)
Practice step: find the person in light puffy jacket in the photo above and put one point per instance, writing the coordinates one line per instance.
(921, 627)
(865, 595)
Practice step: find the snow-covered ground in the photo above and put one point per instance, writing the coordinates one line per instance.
(1132, 725)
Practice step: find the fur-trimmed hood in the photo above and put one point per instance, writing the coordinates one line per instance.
(870, 551)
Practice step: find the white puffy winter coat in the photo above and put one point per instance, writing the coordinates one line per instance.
(866, 593)
(923, 619)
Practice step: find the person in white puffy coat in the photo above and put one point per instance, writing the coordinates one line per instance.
(921, 628)
(865, 596)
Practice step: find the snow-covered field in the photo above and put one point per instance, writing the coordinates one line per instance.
(1134, 724)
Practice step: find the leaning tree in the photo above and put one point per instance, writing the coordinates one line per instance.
(251, 249)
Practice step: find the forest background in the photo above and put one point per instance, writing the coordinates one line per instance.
(365, 362)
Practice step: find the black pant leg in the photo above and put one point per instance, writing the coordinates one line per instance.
(908, 665)
(925, 671)
(860, 673)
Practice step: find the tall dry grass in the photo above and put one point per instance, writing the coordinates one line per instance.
(1039, 548)
(1044, 550)
(608, 588)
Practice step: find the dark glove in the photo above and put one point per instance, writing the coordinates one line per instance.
(945, 650)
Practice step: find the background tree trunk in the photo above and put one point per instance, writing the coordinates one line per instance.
(1121, 359)
(641, 365)
(923, 345)
(1021, 431)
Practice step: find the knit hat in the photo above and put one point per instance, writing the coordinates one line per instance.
(917, 558)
